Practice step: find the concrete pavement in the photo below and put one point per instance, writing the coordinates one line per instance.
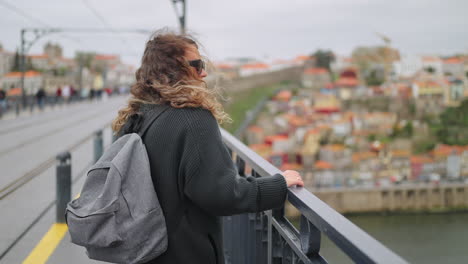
(28, 143)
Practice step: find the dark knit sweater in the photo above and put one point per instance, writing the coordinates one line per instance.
(196, 182)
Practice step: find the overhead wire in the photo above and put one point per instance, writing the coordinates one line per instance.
(22, 13)
(104, 21)
(36, 20)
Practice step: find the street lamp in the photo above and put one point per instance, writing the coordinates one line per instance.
(181, 16)
(25, 46)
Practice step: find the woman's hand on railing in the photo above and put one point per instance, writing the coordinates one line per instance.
(293, 178)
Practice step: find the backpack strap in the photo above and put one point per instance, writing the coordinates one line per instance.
(153, 115)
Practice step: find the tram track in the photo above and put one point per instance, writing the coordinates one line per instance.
(40, 216)
(28, 176)
(76, 131)
(51, 117)
(15, 184)
(48, 133)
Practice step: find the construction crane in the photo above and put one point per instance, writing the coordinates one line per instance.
(385, 39)
(388, 57)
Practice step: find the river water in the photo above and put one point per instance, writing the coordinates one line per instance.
(422, 238)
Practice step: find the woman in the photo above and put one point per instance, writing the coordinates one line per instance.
(192, 171)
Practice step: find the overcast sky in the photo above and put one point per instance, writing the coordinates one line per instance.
(255, 28)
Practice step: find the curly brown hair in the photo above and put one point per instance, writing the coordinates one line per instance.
(165, 77)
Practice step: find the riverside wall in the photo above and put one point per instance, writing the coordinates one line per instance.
(414, 198)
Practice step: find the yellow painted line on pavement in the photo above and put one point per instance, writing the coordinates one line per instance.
(49, 242)
(41, 253)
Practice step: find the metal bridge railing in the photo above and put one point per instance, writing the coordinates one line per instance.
(268, 237)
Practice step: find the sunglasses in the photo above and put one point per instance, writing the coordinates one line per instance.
(197, 64)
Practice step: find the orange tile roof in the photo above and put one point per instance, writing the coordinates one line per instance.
(323, 165)
(284, 95)
(255, 66)
(313, 131)
(420, 159)
(453, 60)
(14, 91)
(105, 57)
(258, 147)
(313, 71)
(292, 117)
(38, 56)
(255, 129)
(349, 115)
(341, 121)
(297, 121)
(224, 66)
(323, 127)
(334, 147)
(302, 58)
(400, 153)
(346, 82)
(363, 155)
(290, 166)
(443, 150)
(26, 74)
(276, 137)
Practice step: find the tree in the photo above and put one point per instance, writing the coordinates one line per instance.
(16, 62)
(452, 128)
(323, 59)
(374, 78)
(404, 132)
(429, 69)
(28, 66)
(423, 145)
(84, 59)
(372, 137)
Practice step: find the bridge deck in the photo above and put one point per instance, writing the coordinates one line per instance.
(28, 146)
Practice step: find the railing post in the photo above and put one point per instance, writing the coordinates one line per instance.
(63, 186)
(310, 238)
(98, 145)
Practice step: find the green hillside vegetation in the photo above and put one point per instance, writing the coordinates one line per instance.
(241, 102)
(452, 125)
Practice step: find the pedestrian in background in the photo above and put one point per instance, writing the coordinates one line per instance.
(73, 93)
(84, 93)
(58, 95)
(2, 101)
(192, 171)
(40, 98)
(66, 93)
(92, 93)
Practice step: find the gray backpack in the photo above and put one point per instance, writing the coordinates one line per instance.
(117, 217)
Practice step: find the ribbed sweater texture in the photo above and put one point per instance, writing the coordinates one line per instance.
(196, 183)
